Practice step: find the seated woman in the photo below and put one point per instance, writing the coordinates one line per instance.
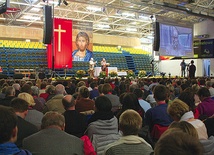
(82, 53)
(180, 111)
(188, 128)
(103, 125)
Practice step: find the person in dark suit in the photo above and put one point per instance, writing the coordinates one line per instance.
(52, 140)
(25, 128)
(192, 70)
(9, 95)
(75, 123)
(8, 132)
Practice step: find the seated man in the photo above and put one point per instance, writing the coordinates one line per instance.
(158, 115)
(75, 123)
(25, 128)
(130, 123)
(8, 132)
(52, 139)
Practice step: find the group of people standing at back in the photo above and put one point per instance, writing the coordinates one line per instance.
(191, 68)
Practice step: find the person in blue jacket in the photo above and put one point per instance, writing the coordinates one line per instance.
(82, 53)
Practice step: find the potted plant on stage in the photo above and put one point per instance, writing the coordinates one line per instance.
(141, 73)
(130, 74)
(80, 74)
(113, 74)
(102, 74)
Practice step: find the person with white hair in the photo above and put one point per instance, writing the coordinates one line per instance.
(91, 67)
(55, 103)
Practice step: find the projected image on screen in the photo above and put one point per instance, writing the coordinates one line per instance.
(175, 41)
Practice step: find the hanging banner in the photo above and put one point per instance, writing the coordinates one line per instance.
(61, 56)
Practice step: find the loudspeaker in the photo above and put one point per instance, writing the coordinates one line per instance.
(156, 43)
(48, 24)
(18, 76)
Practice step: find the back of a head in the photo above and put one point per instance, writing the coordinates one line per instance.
(209, 84)
(27, 97)
(19, 105)
(177, 109)
(50, 89)
(188, 98)
(130, 122)
(60, 89)
(84, 92)
(35, 90)
(10, 91)
(203, 92)
(68, 101)
(132, 87)
(160, 92)
(138, 92)
(100, 88)
(8, 121)
(176, 142)
(107, 88)
(16, 86)
(52, 119)
(26, 88)
(185, 127)
(130, 101)
(103, 104)
(93, 84)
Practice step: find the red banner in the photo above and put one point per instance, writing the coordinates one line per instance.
(62, 53)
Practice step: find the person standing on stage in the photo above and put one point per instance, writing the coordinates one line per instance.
(183, 68)
(192, 70)
(103, 64)
(91, 67)
(153, 65)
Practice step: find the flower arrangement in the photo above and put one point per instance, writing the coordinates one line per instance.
(80, 73)
(102, 74)
(130, 73)
(141, 73)
(113, 74)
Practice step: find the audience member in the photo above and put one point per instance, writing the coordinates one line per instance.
(130, 101)
(52, 139)
(103, 125)
(25, 128)
(55, 103)
(210, 88)
(158, 115)
(17, 88)
(187, 97)
(39, 101)
(130, 143)
(49, 92)
(188, 128)
(107, 91)
(8, 132)
(75, 123)
(179, 111)
(144, 104)
(9, 95)
(177, 142)
(33, 116)
(94, 92)
(83, 103)
(26, 88)
(206, 107)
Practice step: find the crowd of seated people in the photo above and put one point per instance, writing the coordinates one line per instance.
(107, 116)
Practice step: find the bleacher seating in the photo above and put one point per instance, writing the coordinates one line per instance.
(31, 55)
